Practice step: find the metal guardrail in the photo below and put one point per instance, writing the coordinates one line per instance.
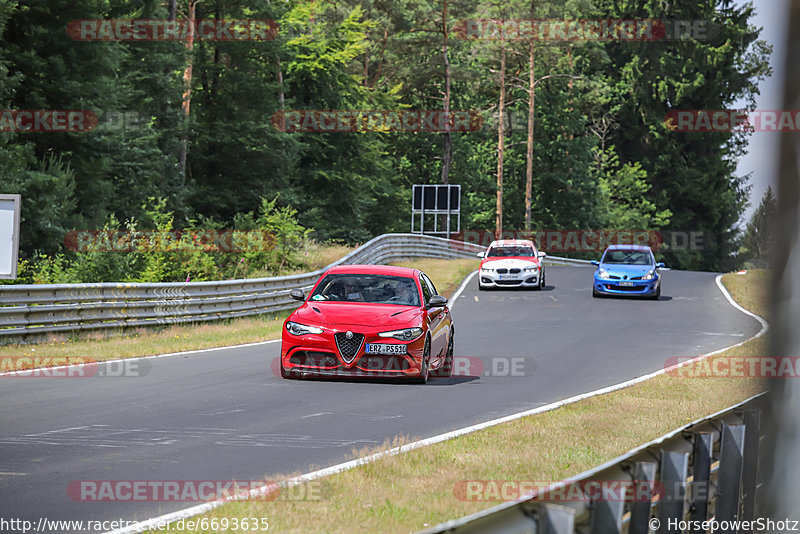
(706, 470)
(35, 309)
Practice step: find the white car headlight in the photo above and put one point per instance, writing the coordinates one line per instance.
(298, 329)
(531, 269)
(406, 334)
(486, 270)
(649, 276)
(601, 273)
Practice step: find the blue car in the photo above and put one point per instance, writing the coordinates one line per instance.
(627, 270)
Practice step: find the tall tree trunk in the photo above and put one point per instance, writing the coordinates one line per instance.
(529, 153)
(281, 99)
(500, 141)
(447, 156)
(187, 92)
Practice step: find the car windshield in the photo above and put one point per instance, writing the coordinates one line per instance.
(520, 251)
(627, 257)
(368, 288)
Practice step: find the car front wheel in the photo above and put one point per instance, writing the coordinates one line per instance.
(446, 368)
(657, 294)
(424, 372)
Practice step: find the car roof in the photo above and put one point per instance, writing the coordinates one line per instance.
(642, 248)
(512, 243)
(388, 270)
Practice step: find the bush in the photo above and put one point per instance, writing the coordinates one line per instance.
(272, 242)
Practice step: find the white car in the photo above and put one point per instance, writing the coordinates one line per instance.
(511, 263)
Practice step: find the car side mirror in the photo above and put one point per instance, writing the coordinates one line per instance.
(595, 262)
(437, 301)
(480, 254)
(660, 265)
(542, 254)
(297, 294)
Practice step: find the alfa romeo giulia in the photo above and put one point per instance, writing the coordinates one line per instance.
(369, 320)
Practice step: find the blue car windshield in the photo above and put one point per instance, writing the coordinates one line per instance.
(371, 288)
(627, 257)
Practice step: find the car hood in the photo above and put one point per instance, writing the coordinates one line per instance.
(361, 314)
(509, 263)
(621, 270)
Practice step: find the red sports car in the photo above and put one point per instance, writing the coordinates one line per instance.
(369, 320)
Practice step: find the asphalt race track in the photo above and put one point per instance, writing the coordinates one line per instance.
(224, 414)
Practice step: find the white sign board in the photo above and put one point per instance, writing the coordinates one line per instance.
(9, 234)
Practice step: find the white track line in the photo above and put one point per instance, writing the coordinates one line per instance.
(452, 300)
(208, 506)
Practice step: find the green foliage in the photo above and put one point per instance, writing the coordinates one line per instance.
(759, 237)
(602, 156)
(271, 243)
(623, 190)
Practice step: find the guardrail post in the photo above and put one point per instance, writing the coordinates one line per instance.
(701, 477)
(557, 519)
(752, 421)
(606, 515)
(644, 476)
(729, 480)
(674, 469)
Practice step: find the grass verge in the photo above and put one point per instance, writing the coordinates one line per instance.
(446, 274)
(415, 490)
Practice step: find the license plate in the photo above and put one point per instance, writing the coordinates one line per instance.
(626, 284)
(385, 348)
(509, 277)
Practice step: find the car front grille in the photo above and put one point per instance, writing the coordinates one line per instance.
(514, 271)
(508, 282)
(502, 271)
(626, 288)
(348, 348)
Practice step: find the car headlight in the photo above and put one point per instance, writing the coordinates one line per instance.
(531, 269)
(298, 329)
(486, 270)
(601, 273)
(649, 276)
(406, 334)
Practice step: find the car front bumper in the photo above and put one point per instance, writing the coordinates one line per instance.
(521, 279)
(642, 288)
(318, 355)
